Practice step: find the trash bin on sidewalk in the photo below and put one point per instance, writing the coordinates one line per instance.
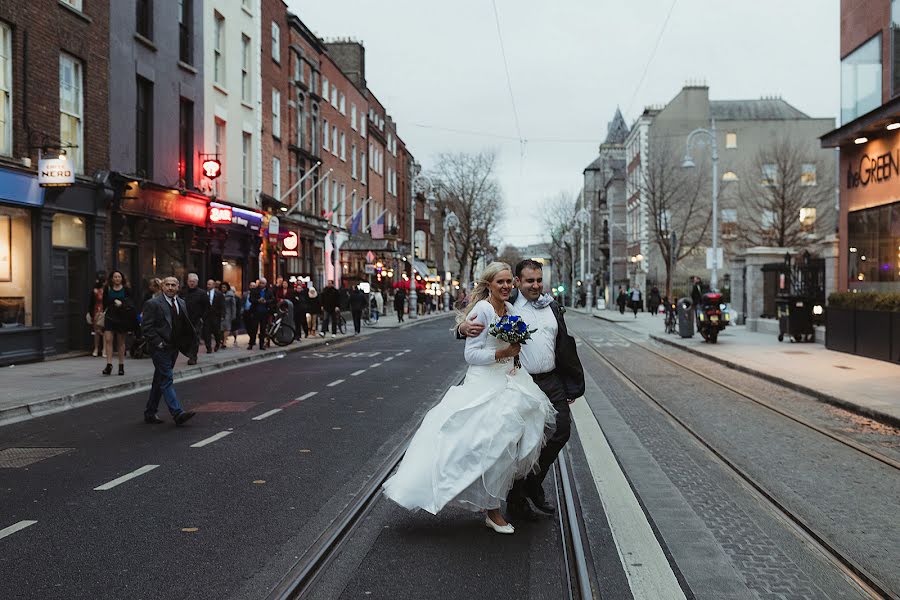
(685, 317)
(795, 318)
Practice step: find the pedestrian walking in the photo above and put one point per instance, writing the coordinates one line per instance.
(168, 331)
(197, 304)
(399, 303)
(120, 318)
(621, 300)
(358, 302)
(330, 298)
(95, 315)
(212, 321)
(262, 300)
(229, 312)
(315, 309)
(301, 307)
(635, 296)
(653, 301)
(154, 288)
(376, 306)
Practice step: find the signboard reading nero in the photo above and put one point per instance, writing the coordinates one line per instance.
(56, 171)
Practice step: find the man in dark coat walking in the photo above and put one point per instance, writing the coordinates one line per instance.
(197, 305)
(358, 302)
(168, 331)
(399, 302)
(330, 298)
(212, 321)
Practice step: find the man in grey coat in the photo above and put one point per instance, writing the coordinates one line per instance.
(168, 331)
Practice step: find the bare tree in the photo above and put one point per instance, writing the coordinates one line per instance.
(675, 203)
(467, 185)
(510, 255)
(781, 193)
(557, 214)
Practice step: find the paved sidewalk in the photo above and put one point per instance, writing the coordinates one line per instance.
(863, 385)
(39, 388)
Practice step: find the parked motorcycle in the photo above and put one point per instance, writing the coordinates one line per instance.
(711, 316)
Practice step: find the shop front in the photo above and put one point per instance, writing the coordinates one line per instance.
(158, 232)
(234, 245)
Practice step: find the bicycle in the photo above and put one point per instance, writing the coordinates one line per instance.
(279, 332)
(367, 319)
(670, 318)
(341, 322)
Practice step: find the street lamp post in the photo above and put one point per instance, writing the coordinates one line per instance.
(420, 183)
(569, 239)
(584, 218)
(689, 163)
(451, 221)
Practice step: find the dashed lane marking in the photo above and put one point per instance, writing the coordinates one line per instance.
(211, 439)
(307, 396)
(14, 528)
(373, 365)
(388, 359)
(355, 373)
(266, 414)
(336, 382)
(120, 480)
(646, 567)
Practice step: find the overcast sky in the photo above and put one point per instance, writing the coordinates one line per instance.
(438, 66)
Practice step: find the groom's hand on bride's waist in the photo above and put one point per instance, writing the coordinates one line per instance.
(471, 327)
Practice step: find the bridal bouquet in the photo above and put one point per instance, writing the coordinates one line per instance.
(512, 330)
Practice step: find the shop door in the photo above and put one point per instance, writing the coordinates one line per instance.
(79, 283)
(59, 298)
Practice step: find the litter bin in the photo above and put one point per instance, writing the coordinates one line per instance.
(795, 318)
(685, 317)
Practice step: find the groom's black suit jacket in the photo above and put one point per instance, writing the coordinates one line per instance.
(568, 365)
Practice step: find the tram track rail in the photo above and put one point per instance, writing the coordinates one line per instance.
(303, 576)
(851, 569)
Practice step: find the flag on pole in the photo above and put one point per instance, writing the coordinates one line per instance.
(378, 228)
(356, 222)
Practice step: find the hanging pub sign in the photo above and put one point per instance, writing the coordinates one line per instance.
(290, 244)
(56, 172)
(212, 168)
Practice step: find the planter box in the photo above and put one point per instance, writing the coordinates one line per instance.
(873, 334)
(840, 326)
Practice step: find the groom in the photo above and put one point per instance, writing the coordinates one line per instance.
(552, 360)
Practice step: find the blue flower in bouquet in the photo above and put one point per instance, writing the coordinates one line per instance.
(512, 330)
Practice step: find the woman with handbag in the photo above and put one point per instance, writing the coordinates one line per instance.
(120, 318)
(95, 315)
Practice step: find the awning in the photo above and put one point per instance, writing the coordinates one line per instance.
(870, 125)
(364, 243)
(420, 267)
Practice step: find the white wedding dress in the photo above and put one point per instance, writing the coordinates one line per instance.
(482, 435)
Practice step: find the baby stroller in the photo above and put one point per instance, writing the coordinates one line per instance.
(137, 344)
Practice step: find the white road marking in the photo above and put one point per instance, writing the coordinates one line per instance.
(336, 382)
(124, 478)
(388, 359)
(267, 414)
(14, 528)
(407, 350)
(355, 373)
(307, 395)
(373, 365)
(649, 573)
(211, 439)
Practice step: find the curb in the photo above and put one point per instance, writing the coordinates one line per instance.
(47, 406)
(864, 411)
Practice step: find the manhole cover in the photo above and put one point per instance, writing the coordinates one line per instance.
(14, 458)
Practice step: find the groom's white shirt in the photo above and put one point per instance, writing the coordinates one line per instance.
(539, 354)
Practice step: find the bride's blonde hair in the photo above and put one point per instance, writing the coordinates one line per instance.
(482, 289)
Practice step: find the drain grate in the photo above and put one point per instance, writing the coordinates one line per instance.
(15, 458)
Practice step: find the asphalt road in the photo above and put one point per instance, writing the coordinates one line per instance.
(228, 518)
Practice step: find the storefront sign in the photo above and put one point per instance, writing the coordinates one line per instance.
(19, 188)
(871, 173)
(222, 214)
(55, 172)
(289, 244)
(166, 204)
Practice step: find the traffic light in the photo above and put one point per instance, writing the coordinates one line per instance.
(561, 289)
(212, 168)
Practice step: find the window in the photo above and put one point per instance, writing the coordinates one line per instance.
(808, 174)
(728, 223)
(314, 130)
(219, 50)
(334, 200)
(362, 164)
(325, 87)
(334, 140)
(247, 5)
(76, 4)
(276, 178)
(874, 240)
(143, 128)
(276, 42)
(220, 155)
(185, 41)
(808, 219)
(298, 67)
(769, 174)
(352, 116)
(68, 231)
(371, 156)
(71, 108)
(731, 140)
(246, 155)
(144, 18)
(5, 90)
(895, 47)
(300, 120)
(768, 219)
(325, 133)
(245, 70)
(343, 147)
(276, 113)
(353, 161)
(334, 96)
(861, 80)
(362, 126)
(729, 176)
(342, 104)
(186, 142)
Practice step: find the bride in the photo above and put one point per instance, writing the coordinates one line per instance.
(483, 434)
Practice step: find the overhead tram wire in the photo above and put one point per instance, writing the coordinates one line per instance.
(650, 58)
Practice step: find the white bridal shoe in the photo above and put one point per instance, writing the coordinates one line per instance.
(508, 528)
